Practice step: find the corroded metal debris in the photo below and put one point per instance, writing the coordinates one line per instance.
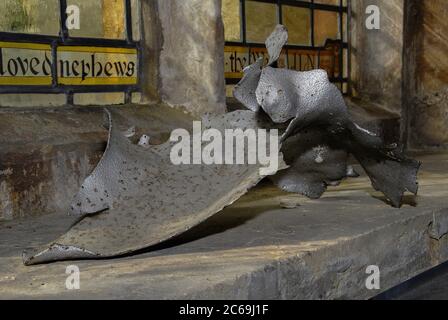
(137, 198)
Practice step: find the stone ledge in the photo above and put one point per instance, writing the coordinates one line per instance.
(46, 154)
(256, 250)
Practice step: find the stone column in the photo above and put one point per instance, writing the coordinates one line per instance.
(428, 110)
(377, 54)
(191, 62)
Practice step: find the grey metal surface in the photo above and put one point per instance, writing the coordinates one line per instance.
(275, 42)
(244, 91)
(136, 197)
(309, 101)
(314, 164)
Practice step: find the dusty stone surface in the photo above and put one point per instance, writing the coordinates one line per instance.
(191, 60)
(430, 119)
(255, 249)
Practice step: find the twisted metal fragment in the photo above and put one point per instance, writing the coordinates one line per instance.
(275, 43)
(314, 163)
(309, 102)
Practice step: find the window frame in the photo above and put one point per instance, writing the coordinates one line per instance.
(64, 39)
(312, 6)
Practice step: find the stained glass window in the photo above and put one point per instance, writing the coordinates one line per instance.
(43, 53)
(318, 35)
(31, 16)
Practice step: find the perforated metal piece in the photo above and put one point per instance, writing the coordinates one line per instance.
(146, 198)
(275, 43)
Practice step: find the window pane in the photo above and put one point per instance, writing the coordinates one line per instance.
(261, 19)
(235, 60)
(326, 26)
(327, 62)
(298, 22)
(98, 98)
(30, 16)
(308, 62)
(100, 19)
(231, 16)
(338, 67)
(332, 2)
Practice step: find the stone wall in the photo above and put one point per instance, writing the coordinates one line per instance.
(429, 115)
(380, 72)
(191, 66)
(376, 62)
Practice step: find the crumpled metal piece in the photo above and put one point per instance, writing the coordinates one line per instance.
(314, 163)
(275, 43)
(309, 101)
(136, 197)
(245, 90)
(303, 96)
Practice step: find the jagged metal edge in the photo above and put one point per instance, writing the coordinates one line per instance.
(244, 91)
(275, 42)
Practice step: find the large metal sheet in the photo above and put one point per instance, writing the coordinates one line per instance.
(136, 197)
